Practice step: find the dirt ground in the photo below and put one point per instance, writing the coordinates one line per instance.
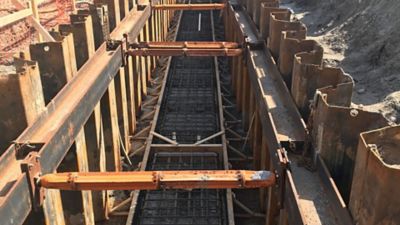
(362, 37)
(18, 36)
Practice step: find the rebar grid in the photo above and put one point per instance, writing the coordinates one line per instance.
(189, 110)
(182, 207)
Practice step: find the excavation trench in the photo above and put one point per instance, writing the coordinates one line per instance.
(190, 111)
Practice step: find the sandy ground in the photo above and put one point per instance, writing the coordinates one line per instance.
(362, 37)
(18, 36)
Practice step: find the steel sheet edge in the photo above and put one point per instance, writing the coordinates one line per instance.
(64, 117)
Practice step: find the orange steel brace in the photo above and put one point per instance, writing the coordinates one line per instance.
(184, 52)
(185, 49)
(211, 6)
(186, 44)
(153, 180)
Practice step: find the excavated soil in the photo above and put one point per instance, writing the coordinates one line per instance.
(362, 37)
(18, 36)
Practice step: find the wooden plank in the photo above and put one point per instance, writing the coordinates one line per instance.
(137, 82)
(234, 62)
(264, 164)
(239, 81)
(83, 166)
(131, 99)
(272, 207)
(111, 129)
(123, 8)
(97, 160)
(52, 206)
(148, 59)
(245, 93)
(47, 37)
(142, 67)
(14, 17)
(34, 7)
(35, 15)
(251, 111)
(257, 141)
(122, 108)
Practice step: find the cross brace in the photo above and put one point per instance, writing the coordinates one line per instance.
(211, 6)
(153, 180)
(185, 49)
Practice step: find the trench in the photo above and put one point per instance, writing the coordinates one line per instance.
(188, 113)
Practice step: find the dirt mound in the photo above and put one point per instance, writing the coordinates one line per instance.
(19, 35)
(362, 37)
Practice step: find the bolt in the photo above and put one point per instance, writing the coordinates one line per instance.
(30, 166)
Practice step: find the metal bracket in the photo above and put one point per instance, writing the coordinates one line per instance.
(284, 165)
(31, 166)
(112, 45)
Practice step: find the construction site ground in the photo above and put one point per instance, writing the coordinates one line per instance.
(362, 37)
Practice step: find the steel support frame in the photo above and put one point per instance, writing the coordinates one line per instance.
(55, 130)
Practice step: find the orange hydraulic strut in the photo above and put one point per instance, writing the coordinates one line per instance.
(153, 180)
(186, 44)
(184, 52)
(211, 6)
(185, 49)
